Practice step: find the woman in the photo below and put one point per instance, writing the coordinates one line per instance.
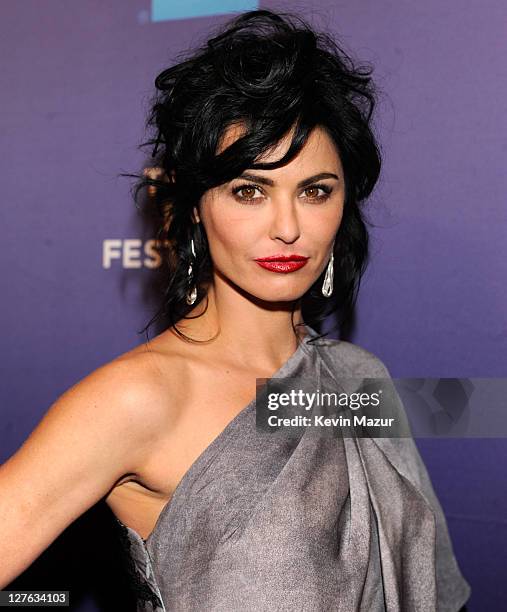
(265, 142)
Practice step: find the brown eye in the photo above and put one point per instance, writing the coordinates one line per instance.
(314, 192)
(246, 192)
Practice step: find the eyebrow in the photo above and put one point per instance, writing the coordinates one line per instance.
(303, 183)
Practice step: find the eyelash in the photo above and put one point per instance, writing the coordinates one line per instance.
(327, 190)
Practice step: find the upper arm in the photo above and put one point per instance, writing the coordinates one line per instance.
(94, 434)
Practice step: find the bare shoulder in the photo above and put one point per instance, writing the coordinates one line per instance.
(124, 405)
(354, 360)
(99, 432)
(139, 388)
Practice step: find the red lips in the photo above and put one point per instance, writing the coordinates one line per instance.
(293, 257)
(282, 263)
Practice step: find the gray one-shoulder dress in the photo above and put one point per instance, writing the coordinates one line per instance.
(265, 522)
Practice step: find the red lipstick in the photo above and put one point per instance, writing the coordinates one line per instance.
(282, 263)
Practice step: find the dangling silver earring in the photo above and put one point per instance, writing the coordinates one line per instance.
(192, 295)
(327, 285)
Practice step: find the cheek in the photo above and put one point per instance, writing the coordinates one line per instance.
(323, 226)
(229, 237)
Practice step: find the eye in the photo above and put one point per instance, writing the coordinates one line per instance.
(315, 188)
(246, 191)
(247, 188)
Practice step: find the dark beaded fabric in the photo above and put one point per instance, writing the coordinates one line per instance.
(138, 567)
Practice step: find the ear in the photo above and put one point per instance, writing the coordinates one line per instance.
(195, 212)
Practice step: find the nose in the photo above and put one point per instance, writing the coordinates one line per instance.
(284, 222)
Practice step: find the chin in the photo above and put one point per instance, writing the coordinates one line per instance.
(277, 294)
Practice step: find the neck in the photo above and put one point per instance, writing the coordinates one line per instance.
(250, 328)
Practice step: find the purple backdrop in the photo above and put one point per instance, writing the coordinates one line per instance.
(75, 83)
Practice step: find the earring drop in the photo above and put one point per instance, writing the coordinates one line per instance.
(192, 295)
(327, 286)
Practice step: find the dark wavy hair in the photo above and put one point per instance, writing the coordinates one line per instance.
(269, 72)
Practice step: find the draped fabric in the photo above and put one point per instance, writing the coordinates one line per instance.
(275, 522)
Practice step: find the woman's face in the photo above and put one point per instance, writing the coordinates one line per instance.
(292, 210)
